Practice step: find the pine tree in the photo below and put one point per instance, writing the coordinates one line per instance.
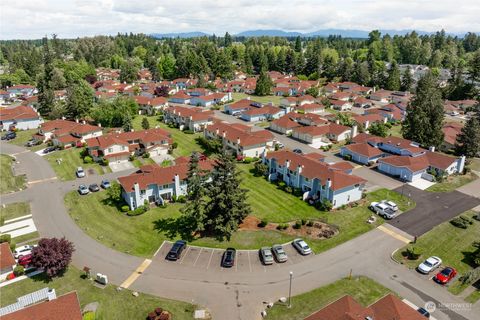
(264, 85)
(227, 206)
(79, 99)
(46, 95)
(128, 72)
(228, 39)
(194, 215)
(298, 44)
(468, 141)
(145, 123)
(393, 80)
(407, 80)
(424, 120)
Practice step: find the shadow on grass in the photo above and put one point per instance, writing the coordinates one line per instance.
(174, 227)
(42, 277)
(469, 258)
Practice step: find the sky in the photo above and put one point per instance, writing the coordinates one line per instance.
(32, 19)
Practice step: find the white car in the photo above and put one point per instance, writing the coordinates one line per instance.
(22, 251)
(391, 204)
(301, 246)
(429, 265)
(383, 210)
(83, 190)
(80, 172)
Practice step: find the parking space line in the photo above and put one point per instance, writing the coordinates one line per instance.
(198, 256)
(210, 260)
(249, 262)
(183, 258)
(159, 248)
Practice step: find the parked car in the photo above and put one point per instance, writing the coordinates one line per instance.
(83, 190)
(266, 255)
(80, 172)
(424, 312)
(429, 265)
(279, 254)
(392, 205)
(382, 210)
(32, 142)
(94, 187)
(105, 184)
(297, 151)
(25, 260)
(237, 114)
(49, 149)
(301, 246)
(280, 145)
(22, 251)
(176, 250)
(228, 258)
(9, 136)
(444, 276)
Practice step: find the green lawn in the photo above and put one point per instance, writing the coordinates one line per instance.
(473, 297)
(138, 236)
(396, 131)
(362, 289)
(450, 243)
(186, 142)
(9, 182)
(23, 136)
(14, 210)
(71, 160)
(266, 99)
(475, 164)
(452, 182)
(27, 238)
(113, 304)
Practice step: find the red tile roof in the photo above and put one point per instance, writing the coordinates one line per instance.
(364, 149)
(244, 103)
(61, 308)
(316, 169)
(271, 110)
(6, 256)
(196, 114)
(450, 131)
(308, 107)
(233, 132)
(60, 127)
(142, 100)
(285, 122)
(145, 136)
(18, 113)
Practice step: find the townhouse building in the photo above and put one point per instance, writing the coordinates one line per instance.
(195, 119)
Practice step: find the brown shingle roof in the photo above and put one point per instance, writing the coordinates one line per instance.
(6, 256)
(364, 149)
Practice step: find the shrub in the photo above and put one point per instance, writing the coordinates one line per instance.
(261, 169)
(140, 210)
(125, 208)
(175, 145)
(188, 131)
(324, 205)
(461, 222)
(146, 155)
(297, 225)
(288, 189)
(304, 222)
(263, 223)
(310, 223)
(131, 158)
(181, 199)
(104, 162)
(282, 185)
(5, 238)
(89, 316)
(248, 160)
(87, 159)
(347, 157)
(412, 253)
(19, 271)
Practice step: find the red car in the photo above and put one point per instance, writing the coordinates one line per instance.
(25, 260)
(445, 275)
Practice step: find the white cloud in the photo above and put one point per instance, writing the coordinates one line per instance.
(72, 18)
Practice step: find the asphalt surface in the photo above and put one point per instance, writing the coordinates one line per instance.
(229, 294)
(432, 209)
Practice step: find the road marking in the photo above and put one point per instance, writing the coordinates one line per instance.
(249, 263)
(185, 254)
(197, 257)
(42, 180)
(136, 274)
(393, 234)
(156, 252)
(210, 260)
(22, 152)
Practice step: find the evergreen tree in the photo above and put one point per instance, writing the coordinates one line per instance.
(227, 206)
(468, 141)
(228, 39)
(194, 215)
(424, 120)
(128, 71)
(145, 123)
(361, 74)
(298, 44)
(407, 80)
(79, 100)
(264, 85)
(127, 122)
(393, 79)
(474, 67)
(45, 88)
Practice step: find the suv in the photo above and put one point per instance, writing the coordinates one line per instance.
(266, 255)
(383, 210)
(80, 172)
(9, 136)
(301, 246)
(176, 250)
(392, 205)
(228, 258)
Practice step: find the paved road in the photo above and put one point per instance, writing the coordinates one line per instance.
(229, 294)
(432, 209)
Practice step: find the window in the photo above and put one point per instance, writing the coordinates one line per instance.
(334, 202)
(142, 192)
(348, 198)
(123, 148)
(110, 150)
(165, 186)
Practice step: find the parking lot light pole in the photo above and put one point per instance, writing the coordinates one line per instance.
(290, 291)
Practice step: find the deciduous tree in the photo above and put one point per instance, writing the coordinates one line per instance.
(52, 255)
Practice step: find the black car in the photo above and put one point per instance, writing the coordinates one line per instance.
(176, 251)
(228, 258)
(49, 149)
(297, 151)
(9, 136)
(424, 312)
(94, 187)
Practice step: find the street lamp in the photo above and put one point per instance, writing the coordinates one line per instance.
(290, 291)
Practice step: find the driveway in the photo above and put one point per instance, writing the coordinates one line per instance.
(472, 188)
(159, 159)
(121, 166)
(433, 208)
(376, 179)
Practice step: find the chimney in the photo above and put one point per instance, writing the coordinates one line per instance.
(287, 163)
(217, 131)
(51, 295)
(99, 125)
(432, 149)
(354, 131)
(329, 183)
(248, 98)
(63, 118)
(76, 120)
(367, 124)
(299, 169)
(83, 122)
(224, 134)
(337, 121)
(238, 140)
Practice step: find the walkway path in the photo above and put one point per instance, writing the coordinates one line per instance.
(228, 294)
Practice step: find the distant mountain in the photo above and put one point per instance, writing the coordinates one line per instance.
(194, 34)
(268, 33)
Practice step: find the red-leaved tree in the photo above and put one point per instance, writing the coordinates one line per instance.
(161, 91)
(52, 255)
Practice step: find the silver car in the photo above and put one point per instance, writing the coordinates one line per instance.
(80, 172)
(83, 190)
(266, 255)
(301, 246)
(279, 253)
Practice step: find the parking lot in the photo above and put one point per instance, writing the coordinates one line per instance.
(210, 259)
